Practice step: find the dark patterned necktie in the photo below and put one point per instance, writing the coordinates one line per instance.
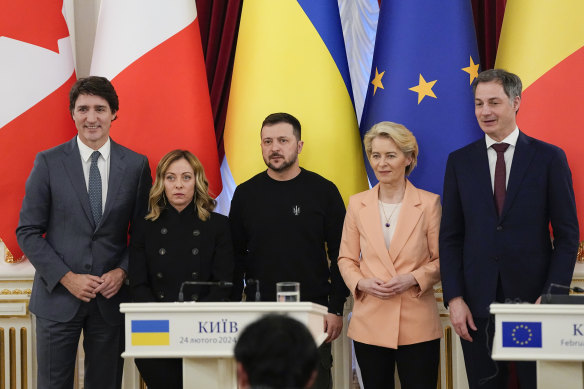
(500, 176)
(95, 188)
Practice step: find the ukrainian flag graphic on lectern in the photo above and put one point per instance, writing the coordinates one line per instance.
(150, 333)
(521, 334)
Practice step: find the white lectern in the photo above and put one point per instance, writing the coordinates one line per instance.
(552, 335)
(204, 334)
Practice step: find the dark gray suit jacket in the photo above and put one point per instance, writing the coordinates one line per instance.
(56, 229)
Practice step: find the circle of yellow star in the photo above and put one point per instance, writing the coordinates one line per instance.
(472, 70)
(377, 81)
(424, 89)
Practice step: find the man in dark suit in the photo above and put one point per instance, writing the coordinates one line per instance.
(81, 197)
(501, 194)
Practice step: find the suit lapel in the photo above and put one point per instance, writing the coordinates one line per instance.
(116, 175)
(409, 216)
(479, 163)
(522, 157)
(74, 169)
(371, 222)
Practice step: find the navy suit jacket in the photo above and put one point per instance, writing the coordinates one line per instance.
(57, 233)
(478, 248)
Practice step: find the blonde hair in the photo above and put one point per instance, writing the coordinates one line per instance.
(400, 135)
(203, 202)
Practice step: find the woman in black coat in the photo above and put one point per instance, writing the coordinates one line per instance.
(180, 240)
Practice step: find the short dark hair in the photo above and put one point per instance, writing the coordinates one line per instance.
(278, 352)
(95, 86)
(283, 117)
(511, 82)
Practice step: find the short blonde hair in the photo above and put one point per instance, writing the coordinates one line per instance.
(203, 202)
(402, 137)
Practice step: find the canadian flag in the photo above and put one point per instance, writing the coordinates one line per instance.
(151, 51)
(36, 73)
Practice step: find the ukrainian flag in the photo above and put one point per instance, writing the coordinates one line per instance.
(150, 333)
(549, 61)
(291, 57)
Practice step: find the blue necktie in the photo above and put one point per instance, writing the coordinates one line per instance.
(95, 188)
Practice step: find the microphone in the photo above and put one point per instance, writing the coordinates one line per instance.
(251, 281)
(220, 284)
(547, 298)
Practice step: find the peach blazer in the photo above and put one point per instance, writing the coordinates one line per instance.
(412, 316)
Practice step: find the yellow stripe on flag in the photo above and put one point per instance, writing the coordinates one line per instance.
(542, 31)
(282, 65)
(151, 339)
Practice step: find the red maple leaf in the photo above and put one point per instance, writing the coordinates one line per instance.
(40, 23)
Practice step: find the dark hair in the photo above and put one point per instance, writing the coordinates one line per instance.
(277, 351)
(95, 86)
(511, 82)
(282, 117)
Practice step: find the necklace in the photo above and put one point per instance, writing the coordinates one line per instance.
(388, 219)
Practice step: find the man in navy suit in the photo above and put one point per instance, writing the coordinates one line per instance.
(81, 198)
(501, 194)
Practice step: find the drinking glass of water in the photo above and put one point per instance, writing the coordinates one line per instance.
(288, 292)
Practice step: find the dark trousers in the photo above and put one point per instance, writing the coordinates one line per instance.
(485, 373)
(161, 373)
(57, 350)
(417, 365)
(324, 379)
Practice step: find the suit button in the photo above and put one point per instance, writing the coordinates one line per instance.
(161, 295)
(195, 251)
(162, 251)
(195, 297)
(163, 231)
(87, 266)
(159, 275)
(196, 233)
(499, 228)
(195, 275)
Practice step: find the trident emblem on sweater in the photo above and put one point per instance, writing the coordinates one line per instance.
(296, 210)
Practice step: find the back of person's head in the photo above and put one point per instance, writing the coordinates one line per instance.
(95, 86)
(276, 351)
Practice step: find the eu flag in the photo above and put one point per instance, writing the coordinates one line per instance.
(521, 334)
(424, 62)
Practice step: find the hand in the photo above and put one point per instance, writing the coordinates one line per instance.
(375, 287)
(460, 316)
(401, 283)
(538, 301)
(82, 286)
(333, 326)
(112, 282)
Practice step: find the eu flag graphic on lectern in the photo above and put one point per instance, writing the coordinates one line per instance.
(521, 334)
(424, 63)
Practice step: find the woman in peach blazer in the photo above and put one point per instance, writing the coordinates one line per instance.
(389, 260)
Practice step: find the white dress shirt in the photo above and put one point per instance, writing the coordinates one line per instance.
(103, 164)
(508, 154)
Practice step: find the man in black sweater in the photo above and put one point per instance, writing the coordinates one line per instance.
(283, 221)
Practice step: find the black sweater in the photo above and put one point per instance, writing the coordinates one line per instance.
(279, 231)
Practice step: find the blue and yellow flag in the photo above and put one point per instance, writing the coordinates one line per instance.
(521, 334)
(150, 333)
(424, 62)
(290, 57)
